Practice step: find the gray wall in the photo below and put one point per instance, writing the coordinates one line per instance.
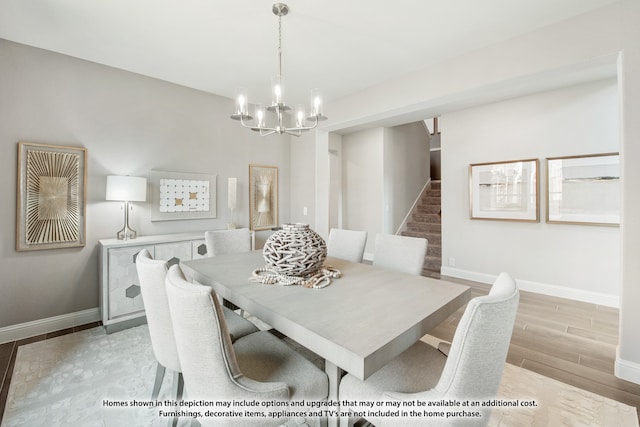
(130, 124)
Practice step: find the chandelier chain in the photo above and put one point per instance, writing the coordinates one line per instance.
(280, 46)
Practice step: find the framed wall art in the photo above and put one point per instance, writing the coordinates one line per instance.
(51, 197)
(263, 197)
(182, 195)
(505, 191)
(584, 189)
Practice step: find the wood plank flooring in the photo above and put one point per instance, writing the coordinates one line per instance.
(569, 341)
(566, 340)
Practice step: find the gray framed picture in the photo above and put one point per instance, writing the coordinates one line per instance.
(584, 189)
(182, 195)
(263, 197)
(504, 191)
(51, 202)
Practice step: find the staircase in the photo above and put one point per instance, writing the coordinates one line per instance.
(425, 222)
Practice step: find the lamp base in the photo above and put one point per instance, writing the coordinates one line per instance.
(126, 232)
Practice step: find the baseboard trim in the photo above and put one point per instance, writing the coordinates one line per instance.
(51, 324)
(539, 288)
(626, 370)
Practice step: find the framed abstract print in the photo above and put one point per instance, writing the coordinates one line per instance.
(584, 189)
(182, 195)
(505, 191)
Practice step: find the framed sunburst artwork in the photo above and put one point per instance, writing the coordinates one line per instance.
(51, 197)
(263, 197)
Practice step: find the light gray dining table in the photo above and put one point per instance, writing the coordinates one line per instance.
(358, 323)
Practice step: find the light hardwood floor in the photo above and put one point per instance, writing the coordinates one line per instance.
(567, 340)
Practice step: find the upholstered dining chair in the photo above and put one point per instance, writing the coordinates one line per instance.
(472, 371)
(346, 244)
(255, 367)
(152, 274)
(219, 242)
(401, 253)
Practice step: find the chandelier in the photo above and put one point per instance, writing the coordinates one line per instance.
(302, 119)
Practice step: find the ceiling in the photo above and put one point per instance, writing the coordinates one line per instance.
(215, 46)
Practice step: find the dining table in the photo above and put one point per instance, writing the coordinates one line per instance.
(358, 323)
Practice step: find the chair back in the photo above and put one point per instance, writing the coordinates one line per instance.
(401, 253)
(474, 367)
(152, 274)
(346, 244)
(209, 363)
(221, 242)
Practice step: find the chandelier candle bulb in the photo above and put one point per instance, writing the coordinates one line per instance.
(316, 102)
(299, 115)
(259, 115)
(242, 104)
(277, 90)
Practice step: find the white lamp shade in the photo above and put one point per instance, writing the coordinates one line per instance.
(126, 188)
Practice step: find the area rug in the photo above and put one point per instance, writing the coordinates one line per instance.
(72, 379)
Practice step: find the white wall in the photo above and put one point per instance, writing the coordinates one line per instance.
(130, 124)
(362, 185)
(406, 171)
(383, 172)
(584, 260)
(628, 360)
(303, 173)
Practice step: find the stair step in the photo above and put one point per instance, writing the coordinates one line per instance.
(430, 200)
(434, 250)
(427, 217)
(432, 238)
(435, 209)
(432, 193)
(432, 263)
(427, 227)
(435, 185)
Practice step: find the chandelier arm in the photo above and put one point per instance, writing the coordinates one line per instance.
(267, 131)
(244, 124)
(260, 128)
(301, 128)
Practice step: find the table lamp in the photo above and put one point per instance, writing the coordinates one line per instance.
(126, 189)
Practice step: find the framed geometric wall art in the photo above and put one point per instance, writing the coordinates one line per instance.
(584, 189)
(51, 197)
(505, 191)
(263, 197)
(182, 195)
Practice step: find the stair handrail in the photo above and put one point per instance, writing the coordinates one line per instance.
(403, 224)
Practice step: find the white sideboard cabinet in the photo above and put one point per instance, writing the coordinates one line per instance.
(121, 303)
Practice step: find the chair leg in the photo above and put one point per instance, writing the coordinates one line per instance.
(176, 390)
(158, 383)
